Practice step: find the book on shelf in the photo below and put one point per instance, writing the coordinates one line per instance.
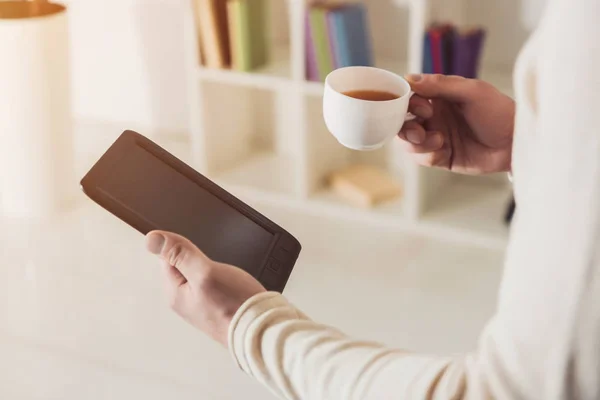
(449, 51)
(196, 11)
(213, 32)
(320, 41)
(336, 35)
(248, 34)
(232, 33)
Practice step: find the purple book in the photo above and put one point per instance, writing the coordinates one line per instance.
(476, 51)
(462, 55)
(312, 71)
(471, 41)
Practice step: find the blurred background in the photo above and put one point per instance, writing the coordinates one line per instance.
(234, 88)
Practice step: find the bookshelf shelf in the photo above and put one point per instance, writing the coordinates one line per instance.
(261, 171)
(392, 211)
(273, 75)
(261, 134)
(313, 88)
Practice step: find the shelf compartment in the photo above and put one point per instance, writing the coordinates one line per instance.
(326, 155)
(277, 71)
(244, 136)
(327, 198)
(262, 171)
(272, 76)
(385, 20)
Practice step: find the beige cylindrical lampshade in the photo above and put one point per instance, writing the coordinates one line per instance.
(36, 135)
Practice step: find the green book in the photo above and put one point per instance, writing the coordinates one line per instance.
(258, 37)
(234, 17)
(320, 38)
(247, 20)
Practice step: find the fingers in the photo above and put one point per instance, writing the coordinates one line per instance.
(420, 107)
(434, 141)
(431, 153)
(439, 158)
(426, 147)
(413, 132)
(418, 140)
(179, 253)
(450, 87)
(172, 275)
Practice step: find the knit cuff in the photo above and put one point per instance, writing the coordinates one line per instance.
(252, 309)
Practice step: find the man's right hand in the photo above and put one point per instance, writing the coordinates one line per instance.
(463, 125)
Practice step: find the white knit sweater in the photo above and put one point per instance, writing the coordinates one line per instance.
(544, 339)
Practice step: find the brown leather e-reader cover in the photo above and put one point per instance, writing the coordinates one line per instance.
(150, 189)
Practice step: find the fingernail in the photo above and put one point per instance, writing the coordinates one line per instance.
(155, 243)
(413, 136)
(414, 77)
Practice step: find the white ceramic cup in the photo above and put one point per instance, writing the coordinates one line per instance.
(363, 124)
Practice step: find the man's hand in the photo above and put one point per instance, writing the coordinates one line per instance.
(205, 293)
(464, 125)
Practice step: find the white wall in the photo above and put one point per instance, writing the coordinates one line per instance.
(531, 12)
(128, 62)
(506, 31)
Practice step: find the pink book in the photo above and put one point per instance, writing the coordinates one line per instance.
(333, 45)
(312, 72)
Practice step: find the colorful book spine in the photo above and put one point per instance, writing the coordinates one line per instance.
(427, 61)
(256, 32)
(341, 40)
(477, 52)
(248, 40)
(334, 36)
(214, 32)
(461, 55)
(450, 52)
(312, 70)
(357, 32)
(435, 38)
(234, 15)
(337, 35)
(319, 34)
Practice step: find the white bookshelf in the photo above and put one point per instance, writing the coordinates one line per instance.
(261, 135)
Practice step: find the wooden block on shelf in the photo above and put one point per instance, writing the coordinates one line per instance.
(364, 185)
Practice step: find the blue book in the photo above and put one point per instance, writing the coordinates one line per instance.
(337, 39)
(352, 35)
(427, 61)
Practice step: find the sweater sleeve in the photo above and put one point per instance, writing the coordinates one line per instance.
(543, 341)
(298, 358)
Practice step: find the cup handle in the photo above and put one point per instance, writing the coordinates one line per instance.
(410, 116)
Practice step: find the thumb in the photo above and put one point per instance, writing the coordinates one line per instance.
(178, 252)
(449, 87)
